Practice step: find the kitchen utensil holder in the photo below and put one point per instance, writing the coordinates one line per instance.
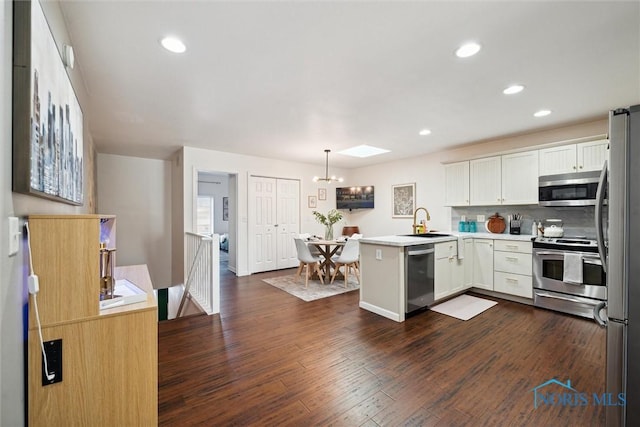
(514, 226)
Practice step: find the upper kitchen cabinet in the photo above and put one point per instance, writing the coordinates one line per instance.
(485, 181)
(511, 179)
(520, 178)
(456, 176)
(585, 156)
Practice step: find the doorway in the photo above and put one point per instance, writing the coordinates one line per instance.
(213, 214)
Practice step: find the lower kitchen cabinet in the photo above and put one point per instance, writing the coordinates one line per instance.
(449, 273)
(468, 263)
(483, 263)
(513, 264)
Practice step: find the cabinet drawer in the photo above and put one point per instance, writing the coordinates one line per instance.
(512, 262)
(446, 249)
(514, 246)
(513, 284)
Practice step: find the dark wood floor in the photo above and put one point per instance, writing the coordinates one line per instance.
(271, 359)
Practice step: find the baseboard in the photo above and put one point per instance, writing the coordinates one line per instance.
(381, 311)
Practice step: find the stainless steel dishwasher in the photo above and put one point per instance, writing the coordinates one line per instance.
(419, 262)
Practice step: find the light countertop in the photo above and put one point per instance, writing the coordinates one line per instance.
(401, 240)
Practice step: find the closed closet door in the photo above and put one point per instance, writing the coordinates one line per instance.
(264, 234)
(288, 227)
(274, 212)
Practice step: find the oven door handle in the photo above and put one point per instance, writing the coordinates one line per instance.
(591, 260)
(559, 254)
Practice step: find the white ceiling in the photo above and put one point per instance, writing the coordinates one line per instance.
(288, 79)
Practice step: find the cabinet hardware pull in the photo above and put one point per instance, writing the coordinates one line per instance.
(510, 280)
(511, 258)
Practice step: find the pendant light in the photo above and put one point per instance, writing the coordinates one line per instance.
(327, 178)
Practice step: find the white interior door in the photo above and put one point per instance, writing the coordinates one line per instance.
(263, 192)
(288, 225)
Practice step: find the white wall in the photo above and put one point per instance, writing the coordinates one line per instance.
(11, 298)
(138, 192)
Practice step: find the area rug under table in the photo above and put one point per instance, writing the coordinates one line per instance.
(316, 290)
(463, 307)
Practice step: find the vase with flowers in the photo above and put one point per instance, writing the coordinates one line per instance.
(328, 220)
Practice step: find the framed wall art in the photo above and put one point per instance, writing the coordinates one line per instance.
(47, 119)
(225, 209)
(322, 194)
(404, 200)
(312, 202)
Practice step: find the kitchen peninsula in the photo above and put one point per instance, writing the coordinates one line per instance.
(451, 263)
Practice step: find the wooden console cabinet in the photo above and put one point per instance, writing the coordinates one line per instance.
(109, 357)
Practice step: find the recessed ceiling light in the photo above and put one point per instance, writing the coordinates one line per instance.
(467, 50)
(363, 151)
(542, 113)
(424, 132)
(513, 89)
(173, 44)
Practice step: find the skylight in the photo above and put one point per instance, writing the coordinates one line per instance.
(363, 151)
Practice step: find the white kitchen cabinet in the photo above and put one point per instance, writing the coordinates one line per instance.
(485, 184)
(483, 263)
(456, 177)
(468, 263)
(511, 179)
(448, 271)
(585, 156)
(513, 268)
(520, 178)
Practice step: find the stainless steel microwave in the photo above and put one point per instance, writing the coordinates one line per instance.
(569, 189)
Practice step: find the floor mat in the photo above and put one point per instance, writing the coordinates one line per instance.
(463, 307)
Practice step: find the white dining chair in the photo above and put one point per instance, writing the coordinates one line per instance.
(306, 258)
(312, 248)
(348, 259)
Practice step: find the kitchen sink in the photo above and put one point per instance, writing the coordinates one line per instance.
(429, 235)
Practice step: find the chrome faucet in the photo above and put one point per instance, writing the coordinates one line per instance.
(415, 215)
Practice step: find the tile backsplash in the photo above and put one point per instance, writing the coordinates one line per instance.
(578, 221)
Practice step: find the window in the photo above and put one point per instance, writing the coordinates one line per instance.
(204, 215)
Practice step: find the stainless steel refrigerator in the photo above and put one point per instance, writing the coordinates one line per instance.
(618, 230)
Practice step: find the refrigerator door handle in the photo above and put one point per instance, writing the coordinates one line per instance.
(602, 185)
(596, 314)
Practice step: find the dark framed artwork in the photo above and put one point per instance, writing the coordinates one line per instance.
(47, 119)
(225, 209)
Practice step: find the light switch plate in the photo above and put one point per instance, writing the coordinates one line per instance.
(480, 218)
(14, 235)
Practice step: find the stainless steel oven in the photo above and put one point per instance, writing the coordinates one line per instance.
(553, 289)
